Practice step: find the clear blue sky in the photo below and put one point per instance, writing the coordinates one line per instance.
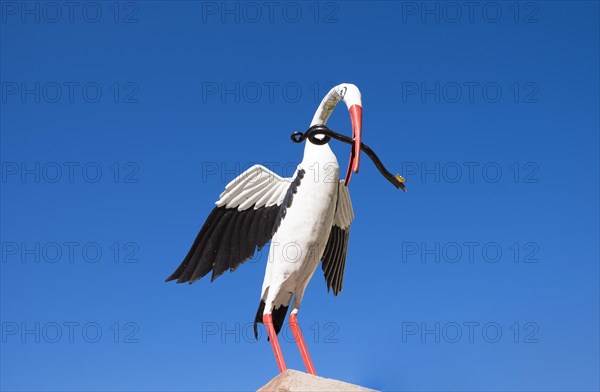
(122, 122)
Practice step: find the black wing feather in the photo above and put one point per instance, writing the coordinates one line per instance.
(245, 249)
(221, 263)
(215, 214)
(208, 250)
(334, 258)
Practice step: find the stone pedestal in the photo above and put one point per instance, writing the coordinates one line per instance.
(295, 381)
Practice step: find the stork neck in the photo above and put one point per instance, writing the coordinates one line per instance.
(314, 152)
(328, 103)
(326, 108)
(318, 153)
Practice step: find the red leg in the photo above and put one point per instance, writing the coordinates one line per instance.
(268, 322)
(310, 368)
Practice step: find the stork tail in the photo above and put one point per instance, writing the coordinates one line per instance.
(278, 317)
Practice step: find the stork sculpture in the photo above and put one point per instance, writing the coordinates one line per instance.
(311, 210)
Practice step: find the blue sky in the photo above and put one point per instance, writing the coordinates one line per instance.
(122, 122)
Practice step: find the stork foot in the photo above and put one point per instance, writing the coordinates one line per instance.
(310, 368)
(268, 322)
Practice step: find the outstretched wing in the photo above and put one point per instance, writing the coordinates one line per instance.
(334, 256)
(247, 215)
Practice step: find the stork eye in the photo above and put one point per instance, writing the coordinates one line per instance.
(343, 92)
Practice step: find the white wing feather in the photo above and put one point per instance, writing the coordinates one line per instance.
(257, 186)
(344, 214)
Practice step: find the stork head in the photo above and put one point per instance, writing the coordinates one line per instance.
(350, 94)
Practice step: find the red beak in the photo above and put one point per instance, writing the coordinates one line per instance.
(356, 118)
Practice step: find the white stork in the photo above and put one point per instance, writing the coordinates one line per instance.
(311, 211)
